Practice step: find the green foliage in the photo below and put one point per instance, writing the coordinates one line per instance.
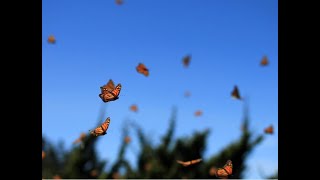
(153, 161)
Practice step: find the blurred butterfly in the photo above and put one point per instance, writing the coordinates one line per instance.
(198, 113)
(109, 92)
(186, 60)
(224, 172)
(101, 130)
(115, 175)
(235, 93)
(264, 61)
(51, 39)
(127, 139)
(147, 166)
(134, 108)
(212, 171)
(142, 69)
(43, 154)
(119, 2)
(188, 163)
(94, 173)
(56, 177)
(269, 130)
(187, 94)
(80, 139)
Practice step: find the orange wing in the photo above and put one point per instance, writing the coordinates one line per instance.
(101, 130)
(142, 69)
(108, 87)
(224, 172)
(269, 130)
(127, 139)
(264, 61)
(43, 154)
(198, 113)
(235, 93)
(134, 108)
(212, 171)
(108, 95)
(188, 163)
(186, 60)
(51, 39)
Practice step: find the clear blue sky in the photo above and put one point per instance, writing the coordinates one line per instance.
(99, 40)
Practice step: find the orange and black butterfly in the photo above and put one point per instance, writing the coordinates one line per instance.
(51, 39)
(80, 139)
(119, 2)
(198, 113)
(224, 172)
(101, 130)
(134, 108)
(142, 69)
(109, 92)
(264, 61)
(269, 130)
(235, 93)
(212, 171)
(188, 163)
(186, 60)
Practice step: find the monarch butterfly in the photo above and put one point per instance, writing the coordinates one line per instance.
(80, 139)
(186, 60)
(51, 39)
(235, 93)
(269, 130)
(134, 108)
(188, 163)
(264, 61)
(187, 94)
(224, 172)
(109, 92)
(43, 154)
(101, 130)
(142, 69)
(198, 113)
(119, 2)
(127, 139)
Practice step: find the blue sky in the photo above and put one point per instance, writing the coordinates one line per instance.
(99, 40)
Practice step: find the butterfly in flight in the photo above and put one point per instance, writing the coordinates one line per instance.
(109, 92)
(188, 163)
(269, 130)
(198, 113)
(264, 61)
(119, 2)
(186, 60)
(224, 172)
(142, 69)
(235, 93)
(43, 154)
(212, 171)
(80, 139)
(101, 130)
(134, 108)
(187, 94)
(127, 139)
(51, 39)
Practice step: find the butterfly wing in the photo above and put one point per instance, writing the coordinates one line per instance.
(264, 61)
(235, 93)
(186, 60)
(107, 96)
(116, 91)
(141, 68)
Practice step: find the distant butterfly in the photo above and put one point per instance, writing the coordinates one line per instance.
(212, 171)
(127, 139)
(80, 139)
(269, 130)
(109, 92)
(119, 2)
(51, 39)
(142, 69)
(187, 94)
(188, 163)
(198, 113)
(116, 175)
(94, 173)
(224, 172)
(101, 130)
(264, 61)
(43, 154)
(186, 60)
(134, 108)
(235, 93)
